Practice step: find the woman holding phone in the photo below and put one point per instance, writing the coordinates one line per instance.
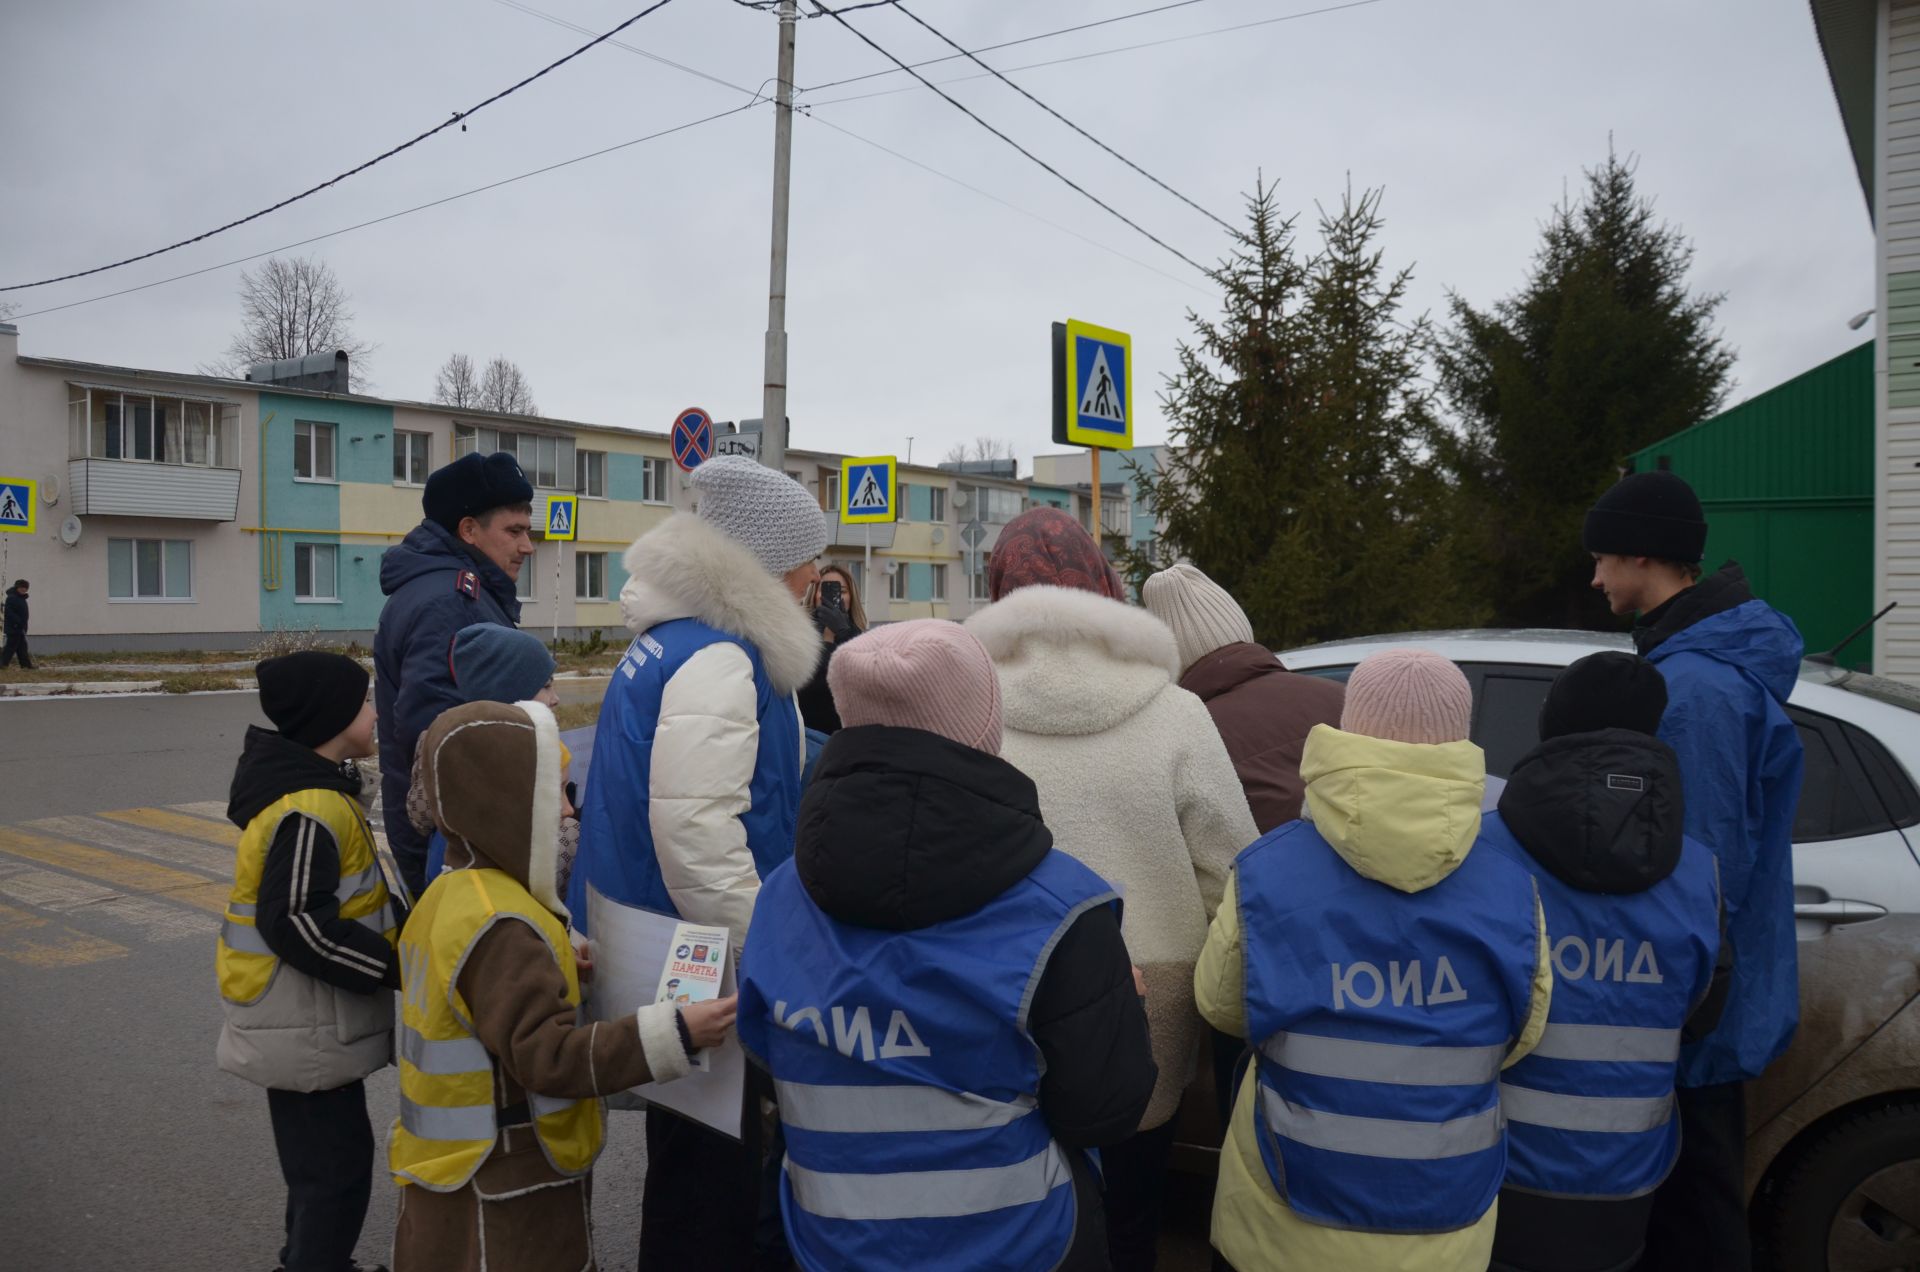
(837, 612)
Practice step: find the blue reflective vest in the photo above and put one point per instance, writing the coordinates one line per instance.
(1380, 1020)
(616, 837)
(908, 1083)
(1590, 1110)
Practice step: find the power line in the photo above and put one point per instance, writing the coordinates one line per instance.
(1085, 57)
(456, 118)
(1069, 123)
(621, 44)
(393, 216)
(1057, 174)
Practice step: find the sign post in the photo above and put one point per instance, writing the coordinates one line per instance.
(971, 534)
(869, 493)
(1092, 390)
(562, 524)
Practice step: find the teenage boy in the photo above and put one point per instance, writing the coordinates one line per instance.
(1730, 662)
(305, 962)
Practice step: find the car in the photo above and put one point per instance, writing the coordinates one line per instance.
(1833, 1134)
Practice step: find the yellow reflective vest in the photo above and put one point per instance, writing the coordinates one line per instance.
(283, 1028)
(448, 1124)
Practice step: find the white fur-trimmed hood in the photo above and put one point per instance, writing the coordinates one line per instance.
(684, 568)
(1071, 662)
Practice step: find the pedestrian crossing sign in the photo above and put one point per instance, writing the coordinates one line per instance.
(1098, 387)
(869, 490)
(16, 505)
(563, 516)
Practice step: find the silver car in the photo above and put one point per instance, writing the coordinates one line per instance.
(1833, 1147)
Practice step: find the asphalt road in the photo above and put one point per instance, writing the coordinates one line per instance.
(121, 1145)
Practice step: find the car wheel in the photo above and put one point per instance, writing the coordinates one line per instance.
(1852, 1201)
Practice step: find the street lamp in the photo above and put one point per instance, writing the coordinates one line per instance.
(1859, 320)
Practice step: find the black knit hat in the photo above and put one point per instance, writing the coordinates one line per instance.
(1651, 515)
(311, 696)
(1605, 691)
(473, 485)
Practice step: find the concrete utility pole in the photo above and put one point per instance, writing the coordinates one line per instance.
(773, 403)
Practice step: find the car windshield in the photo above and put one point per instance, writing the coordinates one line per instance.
(1892, 692)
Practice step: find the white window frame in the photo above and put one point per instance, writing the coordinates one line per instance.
(938, 571)
(583, 562)
(903, 495)
(897, 585)
(830, 492)
(523, 586)
(304, 578)
(937, 503)
(977, 578)
(589, 465)
(656, 483)
(133, 573)
(403, 438)
(313, 452)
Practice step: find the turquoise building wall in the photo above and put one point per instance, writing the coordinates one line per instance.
(309, 512)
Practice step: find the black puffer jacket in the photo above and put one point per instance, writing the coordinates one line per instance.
(15, 620)
(1559, 806)
(902, 830)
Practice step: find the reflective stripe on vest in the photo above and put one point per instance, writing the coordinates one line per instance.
(448, 1123)
(929, 1194)
(1631, 1044)
(1380, 1136)
(1621, 1115)
(809, 1107)
(1383, 1061)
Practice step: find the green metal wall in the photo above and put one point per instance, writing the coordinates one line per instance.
(1787, 481)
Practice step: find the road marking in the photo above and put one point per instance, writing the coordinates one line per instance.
(64, 894)
(37, 942)
(223, 834)
(148, 843)
(126, 873)
(216, 809)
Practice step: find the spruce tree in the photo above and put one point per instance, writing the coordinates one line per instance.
(1602, 352)
(1299, 474)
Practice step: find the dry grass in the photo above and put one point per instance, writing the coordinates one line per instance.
(576, 715)
(76, 661)
(52, 671)
(198, 681)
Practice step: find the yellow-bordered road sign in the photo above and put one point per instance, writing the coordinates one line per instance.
(563, 516)
(869, 490)
(18, 498)
(1096, 379)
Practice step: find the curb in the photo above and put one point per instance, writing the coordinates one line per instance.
(106, 688)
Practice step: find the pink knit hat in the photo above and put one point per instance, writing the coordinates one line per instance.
(925, 674)
(1408, 695)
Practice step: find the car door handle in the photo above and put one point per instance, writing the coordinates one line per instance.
(1839, 911)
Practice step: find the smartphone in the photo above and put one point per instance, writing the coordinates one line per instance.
(833, 592)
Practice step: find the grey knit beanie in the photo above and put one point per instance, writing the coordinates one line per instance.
(767, 511)
(1200, 612)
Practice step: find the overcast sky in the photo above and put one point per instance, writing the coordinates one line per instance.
(632, 285)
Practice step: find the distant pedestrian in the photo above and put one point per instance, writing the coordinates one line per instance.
(835, 605)
(456, 568)
(305, 960)
(1730, 663)
(500, 1084)
(1633, 916)
(925, 891)
(15, 622)
(1134, 783)
(1384, 970)
(695, 787)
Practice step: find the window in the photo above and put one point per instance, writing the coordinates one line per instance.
(1507, 716)
(150, 569)
(897, 581)
(938, 498)
(977, 581)
(412, 458)
(312, 451)
(653, 481)
(590, 576)
(939, 582)
(543, 457)
(903, 491)
(316, 572)
(990, 503)
(468, 438)
(523, 586)
(1851, 787)
(830, 492)
(111, 424)
(590, 473)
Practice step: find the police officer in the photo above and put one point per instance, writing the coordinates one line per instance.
(1633, 914)
(1384, 970)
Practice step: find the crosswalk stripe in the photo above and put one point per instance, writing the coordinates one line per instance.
(148, 843)
(213, 808)
(127, 873)
(27, 938)
(223, 834)
(64, 894)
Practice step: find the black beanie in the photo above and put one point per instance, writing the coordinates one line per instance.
(1651, 515)
(311, 696)
(472, 485)
(1605, 691)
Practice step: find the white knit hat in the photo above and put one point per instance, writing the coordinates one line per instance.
(768, 511)
(1203, 617)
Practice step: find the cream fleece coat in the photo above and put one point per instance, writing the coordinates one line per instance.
(1134, 782)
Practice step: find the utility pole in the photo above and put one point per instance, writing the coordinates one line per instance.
(773, 403)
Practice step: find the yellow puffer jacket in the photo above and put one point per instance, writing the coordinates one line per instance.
(1407, 825)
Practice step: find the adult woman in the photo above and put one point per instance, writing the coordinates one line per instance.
(835, 605)
(1134, 782)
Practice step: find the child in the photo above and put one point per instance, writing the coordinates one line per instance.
(305, 960)
(500, 1116)
(996, 1031)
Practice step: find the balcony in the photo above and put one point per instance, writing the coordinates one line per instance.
(137, 454)
(139, 488)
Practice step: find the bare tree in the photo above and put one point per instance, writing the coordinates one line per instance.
(290, 308)
(505, 387)
(981, 449)
(8, 308)
(457, 384)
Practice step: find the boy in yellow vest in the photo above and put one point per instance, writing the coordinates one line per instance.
(306, 960)
(500, 1083)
